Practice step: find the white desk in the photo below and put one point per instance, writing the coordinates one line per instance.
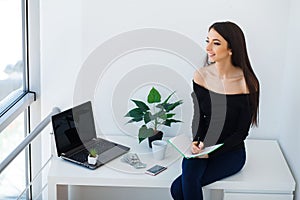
(265, 175)
(116, 173)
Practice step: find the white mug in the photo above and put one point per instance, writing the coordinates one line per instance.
(159, 148)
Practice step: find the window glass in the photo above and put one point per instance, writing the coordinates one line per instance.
(11, 52)
(12, 179)
(12, 86)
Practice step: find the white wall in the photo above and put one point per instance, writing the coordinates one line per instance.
(289, 109)
(70, 36)
(78, 34)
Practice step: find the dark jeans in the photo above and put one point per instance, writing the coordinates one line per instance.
(198, 172)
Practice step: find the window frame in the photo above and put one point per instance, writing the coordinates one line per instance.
(21, 103)
(24, 100)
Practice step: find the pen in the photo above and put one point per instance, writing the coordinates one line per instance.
(198, 141)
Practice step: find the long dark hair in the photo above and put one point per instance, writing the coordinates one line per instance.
(235, 38)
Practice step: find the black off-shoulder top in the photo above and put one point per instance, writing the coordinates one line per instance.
(220, 118)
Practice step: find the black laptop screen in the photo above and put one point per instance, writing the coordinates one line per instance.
(73, 127)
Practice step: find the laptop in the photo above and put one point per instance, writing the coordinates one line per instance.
(75, 134)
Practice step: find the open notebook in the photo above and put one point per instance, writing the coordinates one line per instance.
(182, 143)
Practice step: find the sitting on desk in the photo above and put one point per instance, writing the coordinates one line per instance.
(227, 97)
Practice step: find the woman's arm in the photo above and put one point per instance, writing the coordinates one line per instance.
(239, 134)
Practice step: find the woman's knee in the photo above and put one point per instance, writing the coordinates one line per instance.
(193, 167)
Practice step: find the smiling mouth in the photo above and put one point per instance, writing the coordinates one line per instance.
(211, 54)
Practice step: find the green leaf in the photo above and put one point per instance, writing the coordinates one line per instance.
(166, 116)
(169, 121)
(170, 115)
(145, 132)
(154, 96)
(167, 99)
(135, 113)
(161, 106)
(168, 107)
(141, 105)
(135, 120)
(93, 152)
(165, 104)
(159, 114)
(147, 117)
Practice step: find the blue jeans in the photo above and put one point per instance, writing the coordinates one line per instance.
(197, 173)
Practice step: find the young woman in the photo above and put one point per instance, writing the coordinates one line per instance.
(226, 104)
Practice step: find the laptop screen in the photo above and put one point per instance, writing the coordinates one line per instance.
(73, 127)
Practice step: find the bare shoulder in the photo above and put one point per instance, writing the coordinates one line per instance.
(200, 75)
(243, 86)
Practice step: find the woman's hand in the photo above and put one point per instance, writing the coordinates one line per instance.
(198, 149)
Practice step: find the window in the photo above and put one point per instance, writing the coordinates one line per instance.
(12, 62)
(12, 179)
(15, 96)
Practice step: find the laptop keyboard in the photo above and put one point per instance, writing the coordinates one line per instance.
(80, 156)
(101, 146)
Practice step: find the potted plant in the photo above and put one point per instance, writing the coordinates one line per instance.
(154, 114)
(92, 157)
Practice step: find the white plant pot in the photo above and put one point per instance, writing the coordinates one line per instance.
(92, 160)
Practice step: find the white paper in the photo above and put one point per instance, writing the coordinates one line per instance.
(182, 143)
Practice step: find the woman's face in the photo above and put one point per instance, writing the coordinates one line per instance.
(217, 47)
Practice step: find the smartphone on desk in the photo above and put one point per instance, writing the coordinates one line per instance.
(155, 170)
